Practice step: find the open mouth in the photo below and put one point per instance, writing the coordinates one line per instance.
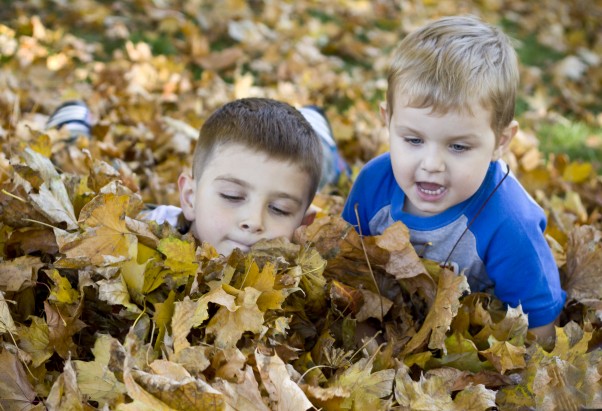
(430, 191)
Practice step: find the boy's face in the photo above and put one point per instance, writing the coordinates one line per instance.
(244, 196)
(441, 160)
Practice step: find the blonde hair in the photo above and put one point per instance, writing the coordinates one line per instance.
(452, 63)
(263, 125)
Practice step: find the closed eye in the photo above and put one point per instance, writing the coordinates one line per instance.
(279, 211)
(231, 198)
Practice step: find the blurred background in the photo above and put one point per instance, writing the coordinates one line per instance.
(153, 70)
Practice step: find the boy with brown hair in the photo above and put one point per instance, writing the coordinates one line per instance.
(449, 112)
(255, 170)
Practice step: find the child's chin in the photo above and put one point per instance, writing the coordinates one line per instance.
(226, 249)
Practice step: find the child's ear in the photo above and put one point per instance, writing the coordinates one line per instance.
(505, 138)
(310, 215)
(384, 115)
(187, 187)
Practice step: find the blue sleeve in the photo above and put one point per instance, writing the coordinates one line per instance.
(356, 195)
(371, 191)
(522, 266)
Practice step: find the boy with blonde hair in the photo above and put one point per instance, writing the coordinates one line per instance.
(449, 112)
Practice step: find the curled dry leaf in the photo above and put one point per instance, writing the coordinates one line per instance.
(584, 259)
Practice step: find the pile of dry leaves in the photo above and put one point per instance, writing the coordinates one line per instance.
(99, 310)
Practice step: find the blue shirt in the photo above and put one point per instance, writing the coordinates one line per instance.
(503, 251)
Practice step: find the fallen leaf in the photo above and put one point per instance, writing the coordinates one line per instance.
(6, 320)
(65, 394)
(35, 340)
(180, 256)
(62, 291)
(229, 323)
(505, 356)
(244, 395)
(439, 318)
(105, 240)
(584, 259)
(16, 392)
(284, 393)
(19, 273)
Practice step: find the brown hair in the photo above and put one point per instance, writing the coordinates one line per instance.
(452, 63)
(264, 125)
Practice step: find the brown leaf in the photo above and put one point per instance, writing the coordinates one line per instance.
(19, 273)
(438, 320)
(403, 260)
(61, 328)
(284, 393)
(584, 259)
(16, 392)
(172, 392)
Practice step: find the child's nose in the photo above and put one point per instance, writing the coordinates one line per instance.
(433, 162)
(252, 221)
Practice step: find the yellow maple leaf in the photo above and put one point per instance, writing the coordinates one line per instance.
(95, 379)
(188, 314)
(35, 341)
(180, 255)
(366, 388)
(105, 240)
(475, 398)
(229, 324)
(505, 356)
(461, 353)
(310, 272)
(264, 281)
(434, 393)
(163, 314)
(62, 290)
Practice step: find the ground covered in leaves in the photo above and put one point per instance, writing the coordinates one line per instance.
(99, 310)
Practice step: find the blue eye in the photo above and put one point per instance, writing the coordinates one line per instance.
(413, 141)
(459, 148)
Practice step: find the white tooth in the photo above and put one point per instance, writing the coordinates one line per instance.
(432, 192)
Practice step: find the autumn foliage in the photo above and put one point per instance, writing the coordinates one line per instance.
(99, 310)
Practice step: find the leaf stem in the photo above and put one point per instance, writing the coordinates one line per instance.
(359, 227)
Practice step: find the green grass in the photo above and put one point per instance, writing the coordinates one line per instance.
(570, 138)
